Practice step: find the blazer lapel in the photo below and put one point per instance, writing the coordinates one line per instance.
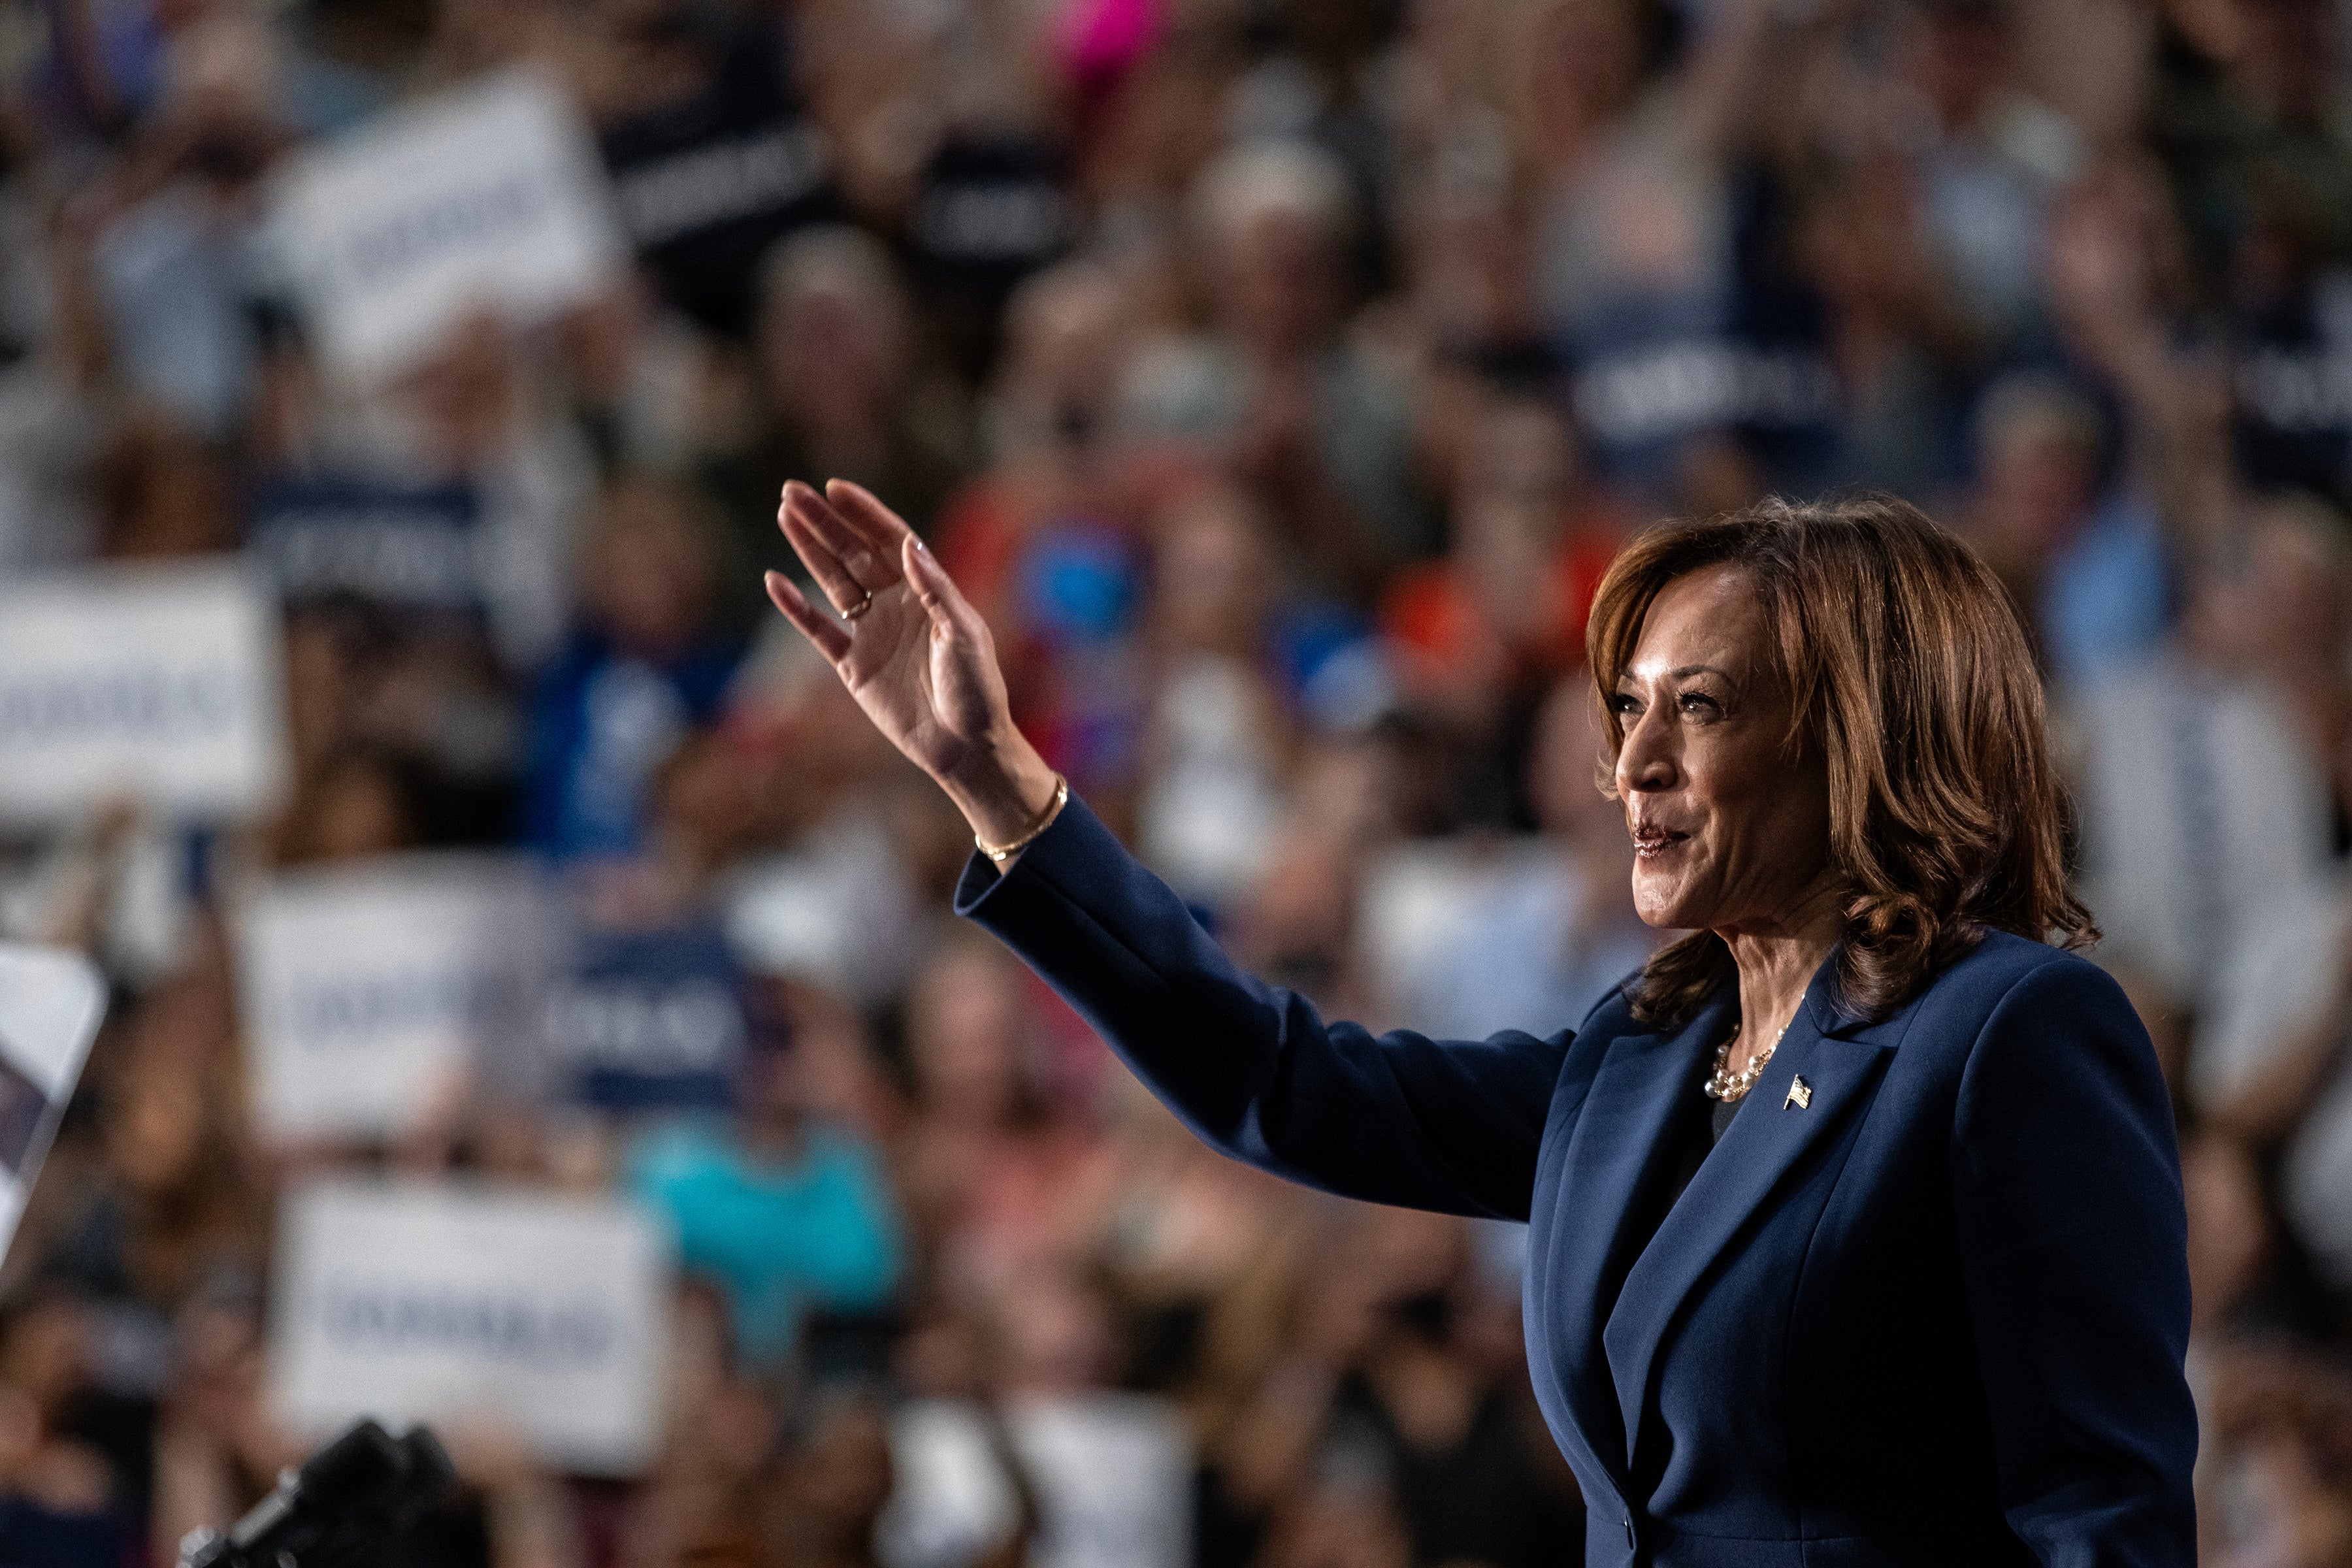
(1838, 1059)
(1613, 1155)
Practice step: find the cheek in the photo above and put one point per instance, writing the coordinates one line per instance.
(1759, 826)
(1775, 832)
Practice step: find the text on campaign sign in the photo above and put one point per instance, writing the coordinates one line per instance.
(441, 1302)
(648, 1019)
(404, 546)
(488, 197)
(374, 986)
(159, 683)
(378, 1316)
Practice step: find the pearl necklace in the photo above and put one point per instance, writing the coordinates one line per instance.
(1728, 1086)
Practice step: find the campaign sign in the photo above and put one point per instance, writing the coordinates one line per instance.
(50, 1002)
(441, 1303)
(403, 546)
(647, 1020)
(991, 210)
(707, 184)
(489, 197)
(2292, 367)
(158, 682)
(1651, 394)
(369, 989)
(1112, 1473)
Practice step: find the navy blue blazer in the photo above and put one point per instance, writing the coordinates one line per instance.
(1936, 1315)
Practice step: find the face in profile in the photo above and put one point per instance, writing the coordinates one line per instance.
(1730, 823)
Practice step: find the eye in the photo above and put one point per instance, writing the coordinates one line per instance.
(1699, 704)
(1625, 705)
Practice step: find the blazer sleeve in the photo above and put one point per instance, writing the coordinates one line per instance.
(1250, 1067)
(2074, 1245)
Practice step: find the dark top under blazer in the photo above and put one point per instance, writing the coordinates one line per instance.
(1937, 1316)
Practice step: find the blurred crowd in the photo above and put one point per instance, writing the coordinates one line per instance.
(1279, 377)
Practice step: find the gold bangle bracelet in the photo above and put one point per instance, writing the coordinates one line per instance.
(1001, 853)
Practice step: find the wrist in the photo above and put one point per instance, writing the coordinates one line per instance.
(1002, 788)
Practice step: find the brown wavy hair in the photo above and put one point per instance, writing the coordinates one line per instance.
(1907, 666)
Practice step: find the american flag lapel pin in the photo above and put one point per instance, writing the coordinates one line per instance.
(1800, 1093)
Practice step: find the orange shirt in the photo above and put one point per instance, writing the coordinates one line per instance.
(1430, 610)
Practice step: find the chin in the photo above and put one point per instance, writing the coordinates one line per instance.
(1667, 908)
(1663, 914)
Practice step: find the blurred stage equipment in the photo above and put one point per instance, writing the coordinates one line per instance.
(349, 1500)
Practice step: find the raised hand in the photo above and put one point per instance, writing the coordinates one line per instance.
(912, 651)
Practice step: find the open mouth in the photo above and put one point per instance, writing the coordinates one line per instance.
(1649, 842)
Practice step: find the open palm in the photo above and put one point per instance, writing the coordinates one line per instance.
(911, 647)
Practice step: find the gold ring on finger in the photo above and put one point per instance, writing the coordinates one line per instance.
(864, 604)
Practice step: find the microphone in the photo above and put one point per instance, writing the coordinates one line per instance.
(349, 1497)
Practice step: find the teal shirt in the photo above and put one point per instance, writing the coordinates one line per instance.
(779, 1240)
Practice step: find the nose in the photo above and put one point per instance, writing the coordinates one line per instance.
(1648, 762)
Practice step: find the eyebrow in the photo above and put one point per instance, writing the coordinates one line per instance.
(1686, 672)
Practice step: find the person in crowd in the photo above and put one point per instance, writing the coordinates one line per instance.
(169, 1211)
(836, 1479)
(2203, 777)
(787, 1214)
(74, 1481)
(1482, 632)
(1994, 156)
(2091, 567)
(161, 493)
(1313, 425)
(841, 385)
(473, 414)
(1059, 474)
(1215, 747)
(644, 669)
(999, 1176)
(2275, 615)
(357, 803)
(2242, 109)
(2279, 1487)
(1558, 936)
(1900, 345)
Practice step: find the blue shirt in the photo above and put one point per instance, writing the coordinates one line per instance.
(602, 721)
(779, 1239)
(2106, 598)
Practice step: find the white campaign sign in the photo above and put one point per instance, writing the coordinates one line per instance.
(1113, 1474)
(417, 1303)
(158, 682)
(368, 988)
(50, 1002)
(489, 197)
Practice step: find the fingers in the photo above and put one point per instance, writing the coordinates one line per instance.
(924, 576)
(823, 630)
(870, 567)
(884, 529)
(840, 587)
(941, 599)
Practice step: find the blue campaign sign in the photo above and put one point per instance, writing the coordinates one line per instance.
(414, 547)
(2291, 364)
(707, 184)
(649, 1020)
